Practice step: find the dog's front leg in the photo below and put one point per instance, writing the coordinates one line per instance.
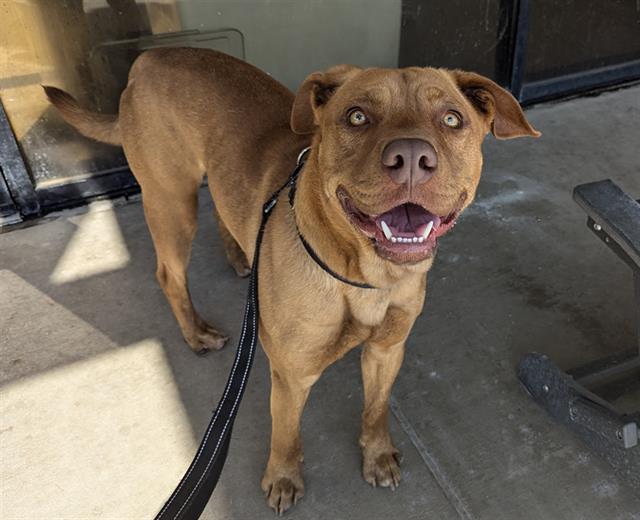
(380, 458)
(282, 481)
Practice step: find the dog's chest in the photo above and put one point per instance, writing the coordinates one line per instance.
(369, 318)
(367, 307)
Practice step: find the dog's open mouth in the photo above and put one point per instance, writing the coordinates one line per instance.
(405, 233)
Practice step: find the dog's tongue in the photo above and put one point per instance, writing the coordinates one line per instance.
(408, 220)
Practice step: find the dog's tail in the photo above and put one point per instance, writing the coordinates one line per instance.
(101, 127)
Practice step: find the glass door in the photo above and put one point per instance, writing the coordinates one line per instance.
(86, 47)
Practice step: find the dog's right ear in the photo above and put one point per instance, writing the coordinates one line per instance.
(314, 93)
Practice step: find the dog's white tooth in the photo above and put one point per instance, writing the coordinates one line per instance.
(385, 229)
(415, 239)
(421, 239)
(393, 239)
(426, 232)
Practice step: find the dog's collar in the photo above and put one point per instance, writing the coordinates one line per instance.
(302, 157)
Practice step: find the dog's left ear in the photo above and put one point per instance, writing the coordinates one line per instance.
(314, 93)
(495, 104)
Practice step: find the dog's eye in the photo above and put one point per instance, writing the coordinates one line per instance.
(452, 119)
(357, 117)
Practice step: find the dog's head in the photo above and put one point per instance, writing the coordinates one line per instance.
(399, 150)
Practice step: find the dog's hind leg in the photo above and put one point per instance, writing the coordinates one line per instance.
(171, 214)
(235, 255)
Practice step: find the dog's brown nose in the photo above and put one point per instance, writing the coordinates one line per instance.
(409, 161)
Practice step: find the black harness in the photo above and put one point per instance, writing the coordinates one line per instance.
(292, 194)
(192, 494)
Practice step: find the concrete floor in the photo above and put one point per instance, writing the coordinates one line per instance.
(102, 403)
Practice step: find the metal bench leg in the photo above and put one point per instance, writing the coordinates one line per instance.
(567, 397)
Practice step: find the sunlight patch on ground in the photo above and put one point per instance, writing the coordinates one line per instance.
(96, 247)
(103, 437)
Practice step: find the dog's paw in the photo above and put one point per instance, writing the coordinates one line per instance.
(239, 263)
(242, 269)
(382, 469)
(206, 338)
(282, 492)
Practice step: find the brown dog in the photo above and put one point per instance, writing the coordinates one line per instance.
(395, 158)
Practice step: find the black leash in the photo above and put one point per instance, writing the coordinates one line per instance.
(189, 499)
